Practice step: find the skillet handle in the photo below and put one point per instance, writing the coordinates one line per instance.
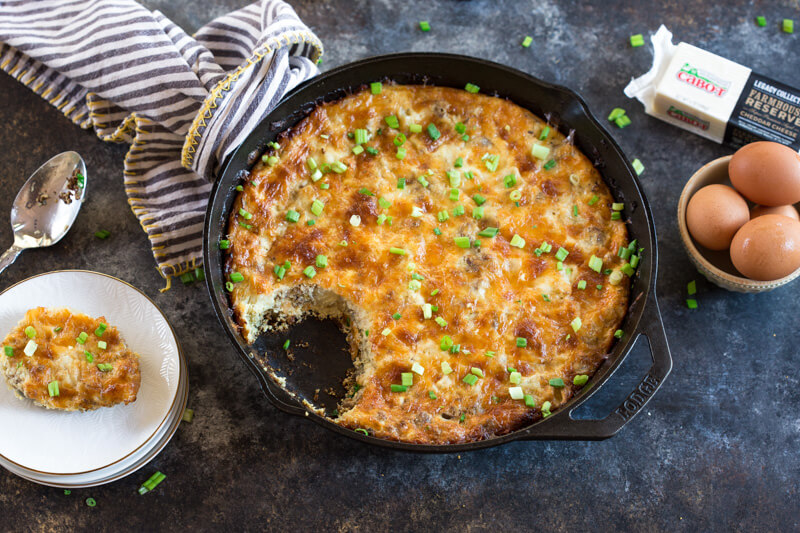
(561, 425)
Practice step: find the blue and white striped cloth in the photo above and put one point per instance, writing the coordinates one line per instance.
(183, 103)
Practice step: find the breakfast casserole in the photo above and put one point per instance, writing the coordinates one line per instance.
(473, 255)
(69, 361)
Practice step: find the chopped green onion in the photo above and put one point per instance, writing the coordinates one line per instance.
(526, 42)
(272, 160)
(224, 244)
(286, 344)
(550, 164)
(545, 133)
(401, 183)
(401, 153)
(102, 345)
(407, 379)
(458, 210)
(455, 179)
(392, 122)
(545, 297)
(622, 121)
(470, 379)
(434, 292)
(102, 234)
(441, 321)
(309, 271)
(82, 337)
(30, 348)
(515, 195)
(9, 351)
(599, 287)
(460, 128)
(561, 254)
(322, 261)
(637, 40)
(761, 21)
(375, 87)
(595, 263)
(509, 181)
(454, 194)
(365, 192)
(540, 151)
(465, 138)
(311, 163)
(415, 128)
(384, 203)
(398, 388)
(244, 214)
(546, 409)
(229, 286)
(425, 25)
(594, 200)
(475, 371)
(617, 206)
(105, 367)
(459, 162)
(89, 357)
(628, 270)
(691, 303)
(489, 232)
(615, 277)
(619, 333)
(397, 251)
(462, 242)
(491, 162)
(100, 329)
(236, 277)
(188, 415)
(529, 401)
(52, 388)
(580, 380)
(788, 26)
(471, 88)
(615, 114)
(515, 378)
(517, 241)
(399, 139)
(30, 332)
(317, 207)
(582, 284)
(338, 167)
(522, 342)
(637, 166)
(477, 212)
(478, 199)
(437, 231)
(433, 132)
(371, 151)
(516, 393)
(691, 288)
(357, 149)
(292, 215)
(576, 324)
(557, 383)
(446, 366)
(446, 343)
(431, 395)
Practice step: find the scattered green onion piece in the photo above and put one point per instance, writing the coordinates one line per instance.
(392, 122)
(9, 351)
(414, 285)
(82, 337)
(458, 210)
(582, 285)
(634, 261)
(580, 380)
(470, 379)
(292, 215)
(454, 194)
(445, 344)
(540, 151)
(622, 121)
(761, 21)
(441, 321)
(545, 133)
(446, 369)
(437, 231)
(415, 128)
(637, 40)
(596, 264)
(628, 270)
(478, 199)
(550, 164)
(30, 348)
(465, 137)
(321, 261)
(617, 206)
(425, 25)
(401, 153)
(557, 383)
(492, 162)
(509, 181)
(317, 207)
(515, 378)
(615, 277)
(522, 342)
(476, 371)
(517, 241)
(546, 409)
(459, 162)
(471, 88)
(224, 244)
(90, 502)
(615, 114)
(397, 251)
(454, 178)
(431, 395)
(594, 200)
(30, 332)
(52, 389)
(619, 334)
(399, 139)
(309, 271)
(237, 277)
(561, 254)
(229, 286)
(515, 195)
(371, 151)
(271, 160)
(102, 234)
(691, 288)
(407, 379)
(477, 212)
(576, 324)
(526, 42)
(244, 214)
(599, 287)
(460, 128)
(489, 232)
(516, 393)
(357, 149)
(376, 87)
(384, 203)
(691, 303)
(338, 167)
(398, 388)
(788, 26)
(433, 133)
(434, 292)
(529, 401)
(462, 242)
(637, 166)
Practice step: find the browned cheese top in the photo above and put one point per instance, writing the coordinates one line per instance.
(84, 380)
(485, 297)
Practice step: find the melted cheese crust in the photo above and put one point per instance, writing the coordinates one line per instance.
(59, 357)
(488, 296)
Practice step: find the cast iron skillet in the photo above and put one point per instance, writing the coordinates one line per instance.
(567, 111)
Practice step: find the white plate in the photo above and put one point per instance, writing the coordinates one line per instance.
(51, 442)
(123, 468)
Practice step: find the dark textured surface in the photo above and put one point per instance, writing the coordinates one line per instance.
(716, 449)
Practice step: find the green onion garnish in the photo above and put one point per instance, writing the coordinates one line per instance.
(691, 288)
(433, 132)
(9, 351)
(397, 251)
(441, 321)
(540, 151)
(491, 161)
(309, 271)
(338, 167)
(102, 345)
(622, 121)
(545, 133)
(526, 42)
(229, 286)
(637, 40)
(470, 379)
(509, 181)
(399, 139)
(489, 232)
(321, 261)
(471, 88)
(619, 333)
(236, 277)
(317, 207)
(462, 242)
(100, 329)
(239, 188)
(89, 356)
(550, 164)
(431, 395)
(582, 284)
(594, 200)
(561, 254)
(443, 216)
(224, 244)
(459, 162)
(617, 206)
(691, 303)
(30, 332)
(788, 25)
(515, 377)
(460, 128)
(375, 87)
(557, 383)
(522, 342)
(244, 214)
(401, 183)
(580, 380)
(407, 379)
(425, 25)
(446, 369)
(596, 264)
(637, 166)
(82, 337)
(517, 241)
(292, 215)
(415, 128)
(445, 344)
(516, 393)
(401, 153)
(392, 122)
(437, 231)
(357, 149)
(478, 199)
(102, 234)
(576, 324)
(384, 203)
(529, 401)
(398, 388)
(477, 212)
(52, 388)
(454, 193)
(458, 210)
(286, 344)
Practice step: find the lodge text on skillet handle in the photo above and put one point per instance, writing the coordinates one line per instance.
(563, 427)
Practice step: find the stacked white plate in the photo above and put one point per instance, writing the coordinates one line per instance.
(85, 449)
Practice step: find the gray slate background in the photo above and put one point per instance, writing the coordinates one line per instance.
(716, 449)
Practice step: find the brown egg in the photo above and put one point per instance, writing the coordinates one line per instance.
(785, 210)
(714, 215)
(766, 173)
(767, 248)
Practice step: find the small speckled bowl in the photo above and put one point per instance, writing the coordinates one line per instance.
(717, 265)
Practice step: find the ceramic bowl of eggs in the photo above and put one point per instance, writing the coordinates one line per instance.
(738, 218)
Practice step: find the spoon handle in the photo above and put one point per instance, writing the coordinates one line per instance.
(8, 257)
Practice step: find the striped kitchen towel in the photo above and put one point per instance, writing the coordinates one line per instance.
(183, 102)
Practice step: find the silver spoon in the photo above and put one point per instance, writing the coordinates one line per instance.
(46, 206)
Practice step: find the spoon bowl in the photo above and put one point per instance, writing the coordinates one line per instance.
(47, 204)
